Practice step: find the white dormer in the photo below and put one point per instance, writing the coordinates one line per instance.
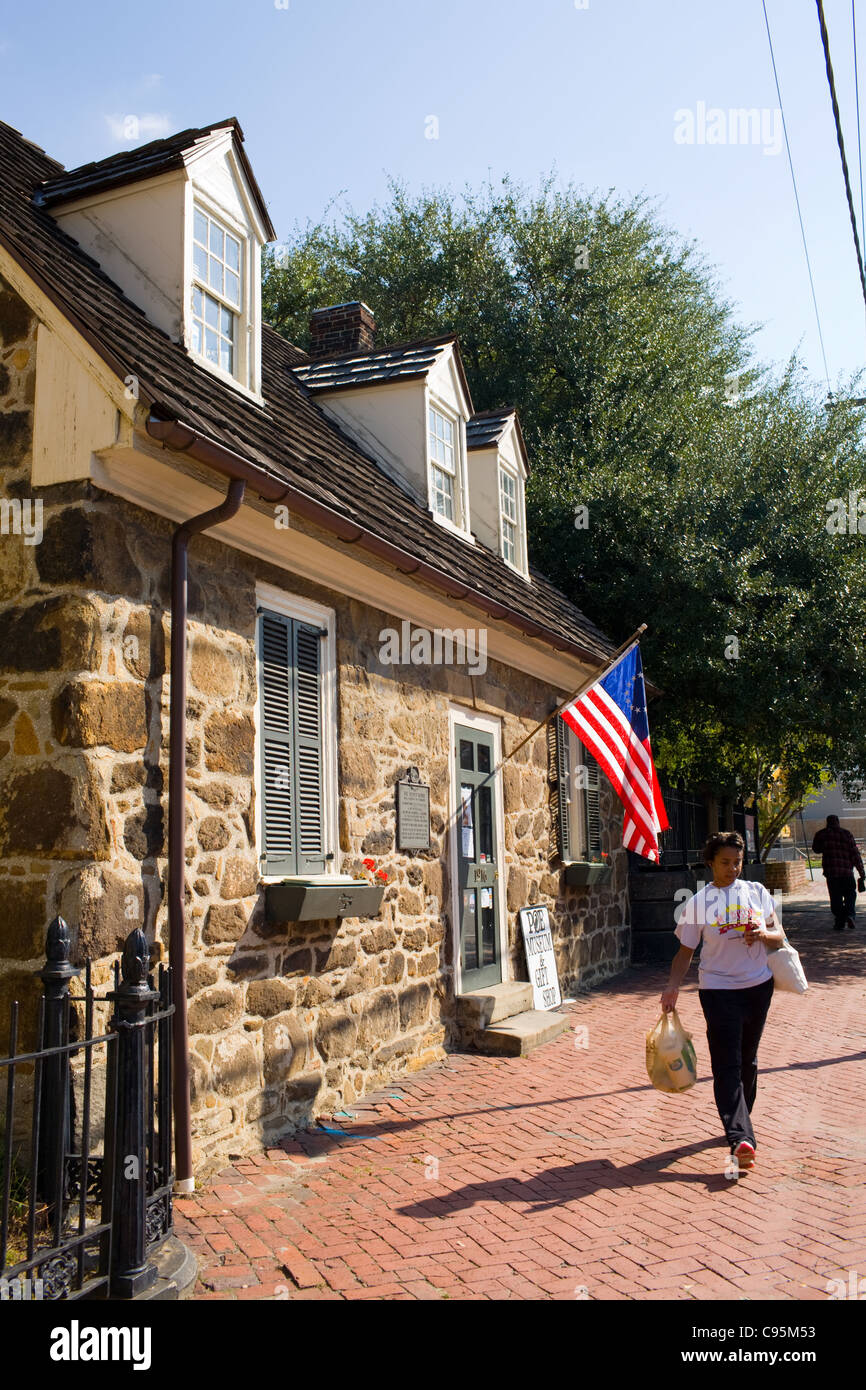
(179, 225)
(498, 469)
(406, 405)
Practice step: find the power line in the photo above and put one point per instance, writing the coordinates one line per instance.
(796, 195)
(857, 99)
(841, 143)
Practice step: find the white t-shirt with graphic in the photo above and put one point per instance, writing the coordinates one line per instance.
(719, 916)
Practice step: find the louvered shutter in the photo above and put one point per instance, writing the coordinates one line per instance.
(278, 758)
(563, 789)
(309, 793)
(591, 793)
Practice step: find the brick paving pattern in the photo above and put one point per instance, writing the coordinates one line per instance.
(564, 1175)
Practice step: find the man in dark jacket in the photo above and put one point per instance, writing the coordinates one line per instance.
(839, 857)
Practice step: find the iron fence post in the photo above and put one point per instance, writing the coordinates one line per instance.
(55, 1102)
(131, 1273)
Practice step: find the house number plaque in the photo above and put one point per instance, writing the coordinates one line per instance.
(413, 812)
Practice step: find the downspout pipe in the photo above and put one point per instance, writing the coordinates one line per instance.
(184, 1180)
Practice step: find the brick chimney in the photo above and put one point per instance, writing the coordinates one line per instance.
(341, 328)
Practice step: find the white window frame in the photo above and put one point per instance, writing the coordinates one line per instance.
(246, 355)
(218, 296)
(305, 611)
(460, 524)
(519, 563)
(577, 798)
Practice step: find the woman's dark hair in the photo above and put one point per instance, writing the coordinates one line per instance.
(723, 839)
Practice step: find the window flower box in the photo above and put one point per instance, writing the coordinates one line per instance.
(325, 897)
(580, 873)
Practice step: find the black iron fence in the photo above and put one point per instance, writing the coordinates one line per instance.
(85, 1147)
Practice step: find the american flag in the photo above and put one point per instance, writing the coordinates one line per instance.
(611, 720)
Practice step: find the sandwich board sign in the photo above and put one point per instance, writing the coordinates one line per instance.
(538, 943)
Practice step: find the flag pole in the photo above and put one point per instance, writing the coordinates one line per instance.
(599, 675)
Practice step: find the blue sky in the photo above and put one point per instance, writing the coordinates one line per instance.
(336, 95)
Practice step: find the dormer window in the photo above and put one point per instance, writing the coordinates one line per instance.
(508, 516)
(216, 292)
(446, 471)
(442, 465)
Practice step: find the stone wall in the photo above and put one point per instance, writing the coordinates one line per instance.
(285, 1020)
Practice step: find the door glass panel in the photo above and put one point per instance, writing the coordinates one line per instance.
(485, 826)
(488, 929)
(467, 827)
(467, 760)
(470, 946)
(483, 758)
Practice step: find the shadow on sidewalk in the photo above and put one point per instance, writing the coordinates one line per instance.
(575, 1180)
(318, 1142)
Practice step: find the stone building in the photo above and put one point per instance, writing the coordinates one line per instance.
(363, 618)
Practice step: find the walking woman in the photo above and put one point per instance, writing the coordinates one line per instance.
(734, 920)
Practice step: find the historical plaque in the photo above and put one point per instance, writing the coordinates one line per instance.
(413, 812)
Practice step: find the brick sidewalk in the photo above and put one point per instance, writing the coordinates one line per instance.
(532, 1178)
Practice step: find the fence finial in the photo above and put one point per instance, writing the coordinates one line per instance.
(58, 940)
(136, 958)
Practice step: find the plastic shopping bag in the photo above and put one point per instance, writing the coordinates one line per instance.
(787, 971)
(670, 1056)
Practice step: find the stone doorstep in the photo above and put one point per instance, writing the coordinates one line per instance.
(479, 1008)
(522, 1033)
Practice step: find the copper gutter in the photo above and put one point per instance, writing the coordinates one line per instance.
(184, 1180)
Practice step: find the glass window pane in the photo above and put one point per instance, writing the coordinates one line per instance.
(200, 261)
(467, 756)
(197, 302)
(225, 355)
(233, 252)
(200, 227)
(485, 825)
(211, 311)
(448, 431)
(196, 337)
(467, 828)
(233, 287)
(216, 274)
(227, 322)
(216, 239)
(210, 345)
(470, 944)
(483, 758)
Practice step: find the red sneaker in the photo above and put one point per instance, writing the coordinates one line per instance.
(745, 1153)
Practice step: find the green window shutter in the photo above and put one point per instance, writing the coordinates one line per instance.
(591, 794)
(563, 789)
(309, 780)
(290, 696)
(277, 743)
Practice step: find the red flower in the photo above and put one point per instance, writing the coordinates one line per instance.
(369, 863)
(380, 873)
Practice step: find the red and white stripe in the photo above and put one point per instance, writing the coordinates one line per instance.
(602, 726)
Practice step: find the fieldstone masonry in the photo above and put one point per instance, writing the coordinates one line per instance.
(286, 1020)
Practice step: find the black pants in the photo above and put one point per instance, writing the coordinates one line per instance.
(843, 897)
(735, 1021)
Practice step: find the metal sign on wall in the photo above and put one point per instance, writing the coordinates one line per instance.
(538, 944)
(413, 812)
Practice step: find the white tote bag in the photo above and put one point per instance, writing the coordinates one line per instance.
(787, 971)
